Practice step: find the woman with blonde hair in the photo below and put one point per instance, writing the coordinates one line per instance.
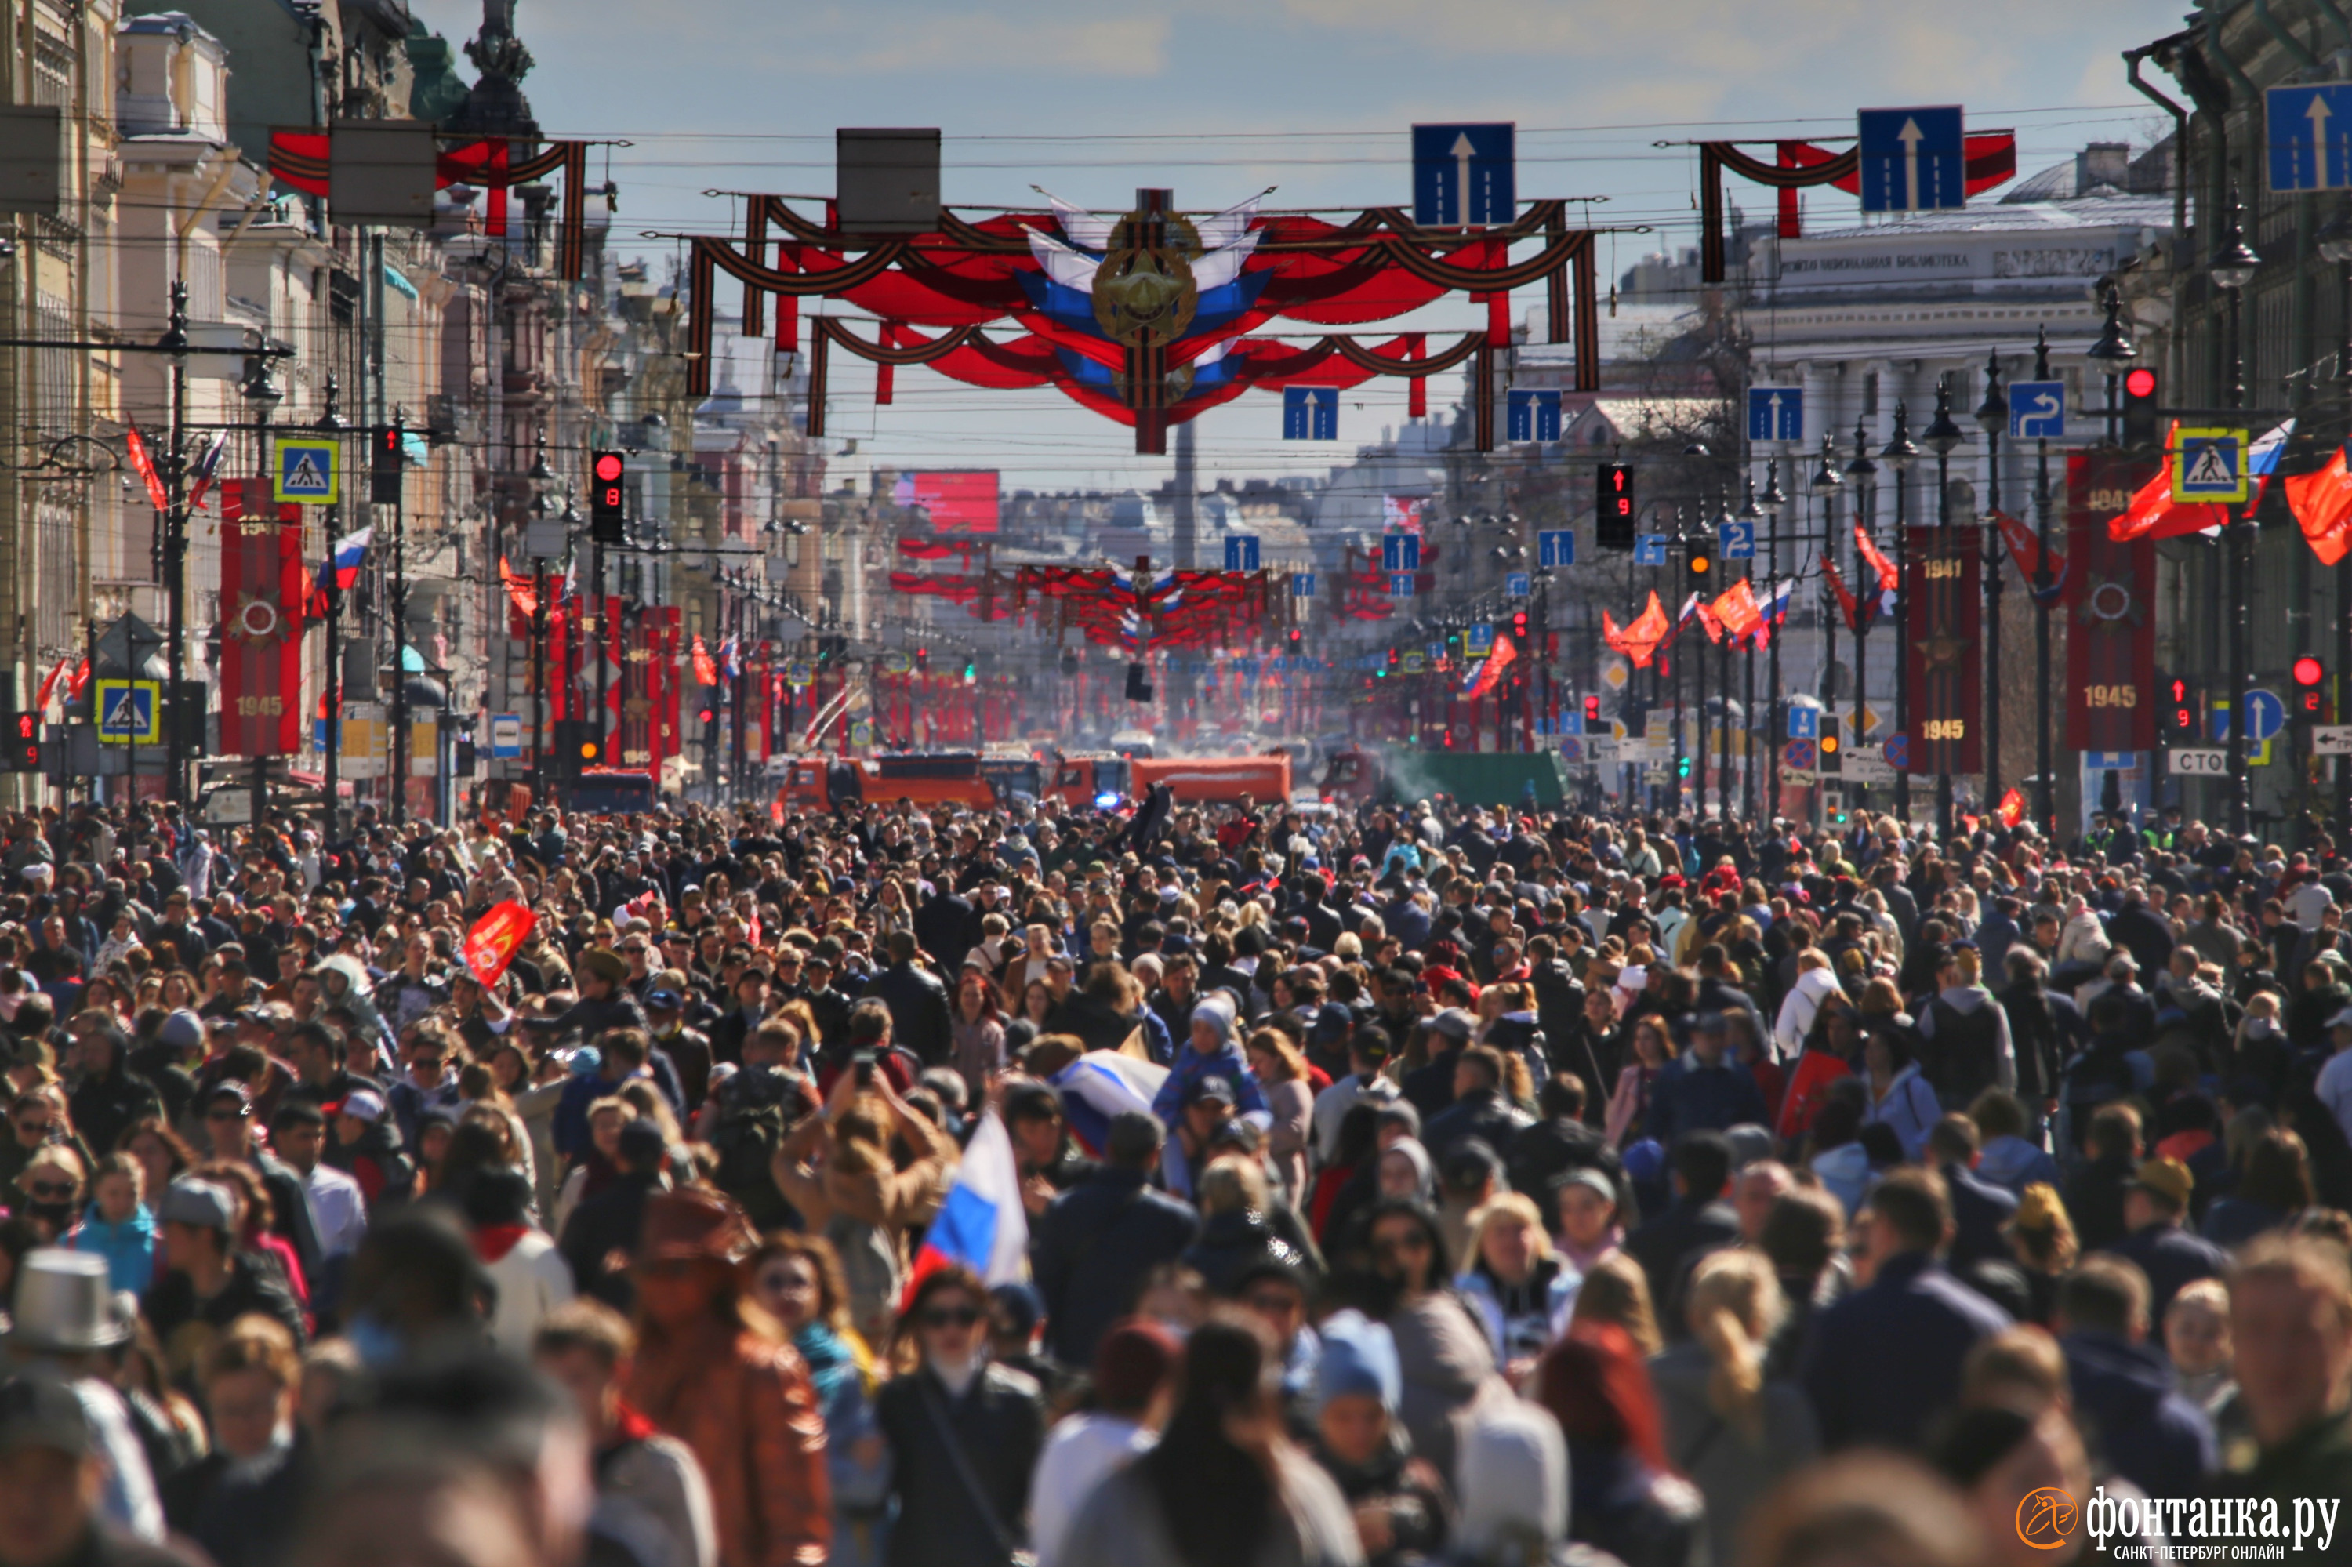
(1617, 1292)
(1731, 1431)
(2041, 1236)
(1521, 1289)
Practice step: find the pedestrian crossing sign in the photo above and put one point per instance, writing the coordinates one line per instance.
(129, 713)
(307, 474)
(2210, 466)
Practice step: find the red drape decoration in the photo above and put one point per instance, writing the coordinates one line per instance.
(263, 591)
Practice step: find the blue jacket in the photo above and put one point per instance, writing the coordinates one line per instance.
(128, 1248)
(1883, 1363)
(2136, 1419)
(1699, 1097)
(2170, 1256)
(2015, 1163)
(1190, 1067)
(1092, 1249)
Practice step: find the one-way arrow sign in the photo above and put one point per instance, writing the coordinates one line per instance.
(1912, 160)
(2311, 137)
(1464, 175)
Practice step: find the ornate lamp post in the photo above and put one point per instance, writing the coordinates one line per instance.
(2233, 268)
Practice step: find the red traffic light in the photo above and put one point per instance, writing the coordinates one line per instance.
(608, 466)
(2307, 671)
(28, 726)
(705, 715)
(1592, 711)
(2140, 383)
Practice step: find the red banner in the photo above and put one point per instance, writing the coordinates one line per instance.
(2110, 607)
(1943, 666)
(490, 946)
(262, 591)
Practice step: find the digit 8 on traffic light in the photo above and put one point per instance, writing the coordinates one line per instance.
(607, 472)
(2310, 676)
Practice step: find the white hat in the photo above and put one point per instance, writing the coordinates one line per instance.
(64, 1303)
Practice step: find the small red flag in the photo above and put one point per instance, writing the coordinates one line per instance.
(490, 946)
(2012, 809)
(146, 464)
(706, 669)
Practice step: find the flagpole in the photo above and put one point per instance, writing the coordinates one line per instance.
(1992, 416)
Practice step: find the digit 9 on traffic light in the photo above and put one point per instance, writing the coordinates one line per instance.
(2178, 714)
(606, 474)
(1613, 506)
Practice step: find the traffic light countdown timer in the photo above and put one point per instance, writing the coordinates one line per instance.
(607, 522)
(1614, 508)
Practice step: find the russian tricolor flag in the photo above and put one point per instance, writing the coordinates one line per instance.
(1098, 1086)
(982, 1224)
(350, 551)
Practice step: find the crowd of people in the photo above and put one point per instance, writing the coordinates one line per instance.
(1419, 1184)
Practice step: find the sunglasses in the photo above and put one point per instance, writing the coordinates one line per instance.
(1390, 1245)
(946, 1317)
(51, 1189)
(227, 1113)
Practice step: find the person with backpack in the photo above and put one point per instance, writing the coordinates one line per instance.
(747, 1115)
(1964, 1033)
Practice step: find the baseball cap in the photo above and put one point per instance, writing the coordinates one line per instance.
(2166, 1178)
(205, 1205)
(40, 1410)
(663, 1000)
(1215, 1087)
(365, 1104)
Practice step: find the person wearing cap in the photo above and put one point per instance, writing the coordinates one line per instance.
(1210, 1049)
(712, 1374)
(68, 1322)
(606, 1002)
(2156, 1205)
(689, 1050)
(1399, 1500)
(203, 1283)
(228, 1112)
(368, 1149)
(1430, 1087)
(53, 1478)
(2333, 1086)
(1097, 1242)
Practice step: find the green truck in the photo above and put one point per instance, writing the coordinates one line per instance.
(1358, 774)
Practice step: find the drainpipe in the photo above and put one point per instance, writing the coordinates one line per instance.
(2179, 248)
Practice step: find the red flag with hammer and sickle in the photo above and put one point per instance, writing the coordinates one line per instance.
(490, 946)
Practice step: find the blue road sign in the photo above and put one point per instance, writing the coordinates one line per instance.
(1399, 552)
(2110, 762)
(1478, 640)
(1436, 651)
(306, 473)
(2311, 137)
(2265, 714)
(1571, 722)
(1912, 160)
(1400, 584)
(1310, 413)
(1464, 175)
(1735, 539)
(2037, 410)
(1776, 413)
(1555, 547)
(1897, 752)
(1241, 552)
(1650, 550)
(1531, 416)
(1302, 584)
(1516, 585)
(1804, 723)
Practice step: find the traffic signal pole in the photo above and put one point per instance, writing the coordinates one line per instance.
(399, 428)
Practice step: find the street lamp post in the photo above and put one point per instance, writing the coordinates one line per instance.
(1899, 453)
(1750, 513)
(2232, 267)
(1864, 474)
(1772, 500)
(174, 465)
(1943, 436)
(261, 390)
(330, 422)
(1992, 417)
(2336, 244)
(1824, 488)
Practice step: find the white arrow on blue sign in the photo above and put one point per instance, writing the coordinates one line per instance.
(1399, 552)
(1516, 585)
(1650, 550)
(1556, 547)
(1804, 723)
(1776, 413)
(1302, 584)
(2311, 137)
(1241, 552)
(1479, 639)
(1310, 413)
(1531, 416)
(1464, 175)
(2037, 410)
(1912, 160)
(1735, 539)
(1400, 584)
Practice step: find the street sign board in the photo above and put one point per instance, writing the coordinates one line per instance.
(1478, 640)
(1572, 749)
(1897, 752)
(1516, 585)
(1464, 175)
(1571, 722)
(2210, 466)
(799, 672)
(2265, 714)
(1241, 552)
(1399, 552)
(1414, 663)
(1735, 539)
(1302, 584)
(1861, 767)
(1310, 413)
(1400, 584)
(2037, 410)
(1912, 160)
(896, 662)
(2331, 740)
(1804, 723)
(1531, 416)
(129, 713)
(1776, 413)
(1650, 550)
(306, 472)
(545, 538)
(506, 734)
(2200, 762)
(2310, 136)
(1556, 547)
(1798, 754)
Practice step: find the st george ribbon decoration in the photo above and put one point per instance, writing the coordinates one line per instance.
(1146, 317)
(264, 592)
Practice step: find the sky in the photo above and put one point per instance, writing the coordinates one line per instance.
(1222, 98)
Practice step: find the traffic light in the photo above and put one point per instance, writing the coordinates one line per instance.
(922, 660)
(1681, 767)
(386, 454)
(2310, 676)
(606, 525)
(706, 716)
(1519, 629)
(1698, 570)
(1613, 507)
(2140, 428)
(2178, 717)
(1294, 641)
(588, 745)
(24, 741)
(1591, 715)
(1829, 750)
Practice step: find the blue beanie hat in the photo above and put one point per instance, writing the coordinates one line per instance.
(1360, 1356)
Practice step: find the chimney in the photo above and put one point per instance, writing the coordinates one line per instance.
(2102, 163)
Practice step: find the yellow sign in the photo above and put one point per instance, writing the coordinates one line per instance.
(130, 712)
(2209, 466)
(307, 473)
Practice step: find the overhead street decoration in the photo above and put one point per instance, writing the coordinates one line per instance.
(1151, 316)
